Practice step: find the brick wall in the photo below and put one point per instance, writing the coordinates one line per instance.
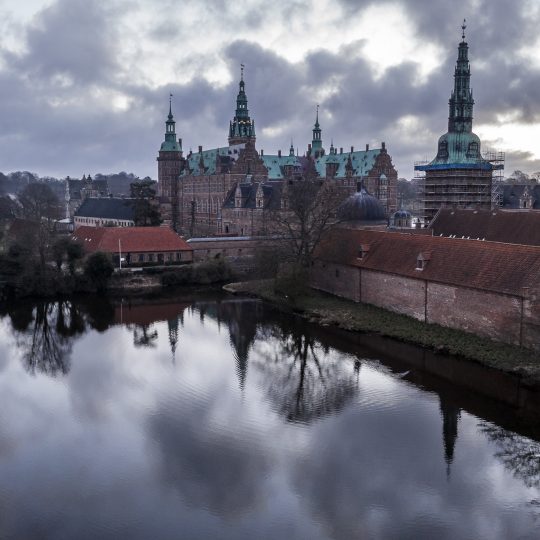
(394, 293)
(501, 317)
(336, 279)
(496, 316)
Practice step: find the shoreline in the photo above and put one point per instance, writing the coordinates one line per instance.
(521, 364)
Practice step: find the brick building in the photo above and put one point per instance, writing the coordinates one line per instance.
(136, 245)
(486, 288)
(198, 192)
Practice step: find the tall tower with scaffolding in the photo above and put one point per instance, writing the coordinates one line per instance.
(459, 175)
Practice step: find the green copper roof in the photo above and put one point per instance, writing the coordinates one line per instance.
(362, 162)
(210, 159)
(274, 164)
(170, 144)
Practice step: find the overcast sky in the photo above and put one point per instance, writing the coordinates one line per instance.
(84, 84)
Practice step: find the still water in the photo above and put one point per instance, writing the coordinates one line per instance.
(218, 418)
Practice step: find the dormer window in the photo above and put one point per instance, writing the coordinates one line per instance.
(443, 150)
(422, 260)
(363, 251)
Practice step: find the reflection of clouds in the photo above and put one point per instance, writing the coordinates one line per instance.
(129, 446)
(381, 474)
(210, 466)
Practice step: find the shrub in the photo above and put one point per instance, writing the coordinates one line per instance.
(98, 268)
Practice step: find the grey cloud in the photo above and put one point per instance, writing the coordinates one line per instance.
(57, 129)
(71, 38)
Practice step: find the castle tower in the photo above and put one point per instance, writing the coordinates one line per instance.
(458, 176)
(242, 128)
(316, 144)
(170, 165)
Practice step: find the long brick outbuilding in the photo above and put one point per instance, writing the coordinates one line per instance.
(487, 288)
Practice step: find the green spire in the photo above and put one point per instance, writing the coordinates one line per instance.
(170, 144)
(242, 128)
(291, 149)
(461, 100)
(316, 143)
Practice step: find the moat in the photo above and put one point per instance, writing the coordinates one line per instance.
(201, 417)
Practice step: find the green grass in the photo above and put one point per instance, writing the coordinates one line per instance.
(331, 310)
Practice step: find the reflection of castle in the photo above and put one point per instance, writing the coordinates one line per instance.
(450, 415)
(142, 317)
(241, 318)
(232, 190)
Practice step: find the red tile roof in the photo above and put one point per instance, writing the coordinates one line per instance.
(510, 226)
(132, 239)
(494, 266)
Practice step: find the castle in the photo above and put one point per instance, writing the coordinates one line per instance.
(233, 190)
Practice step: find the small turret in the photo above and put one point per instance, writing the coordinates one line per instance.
(170, 144)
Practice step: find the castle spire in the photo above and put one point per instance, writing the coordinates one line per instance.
(242, 128)
(291, 149)
(461, 100)
(170, 143)
(316, 143)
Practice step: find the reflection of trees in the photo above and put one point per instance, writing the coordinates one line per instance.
(144, 335)
(46, 340)
(519, 454)
(303, 379)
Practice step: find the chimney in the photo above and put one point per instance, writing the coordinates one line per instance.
(262, 152)
(309, 148)
(200, 149)
(279, 153)
(180, 142)
(341, 150)
(367, 147)
(352, 149)
(383, 145)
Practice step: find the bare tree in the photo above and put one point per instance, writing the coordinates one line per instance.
(308, 211)
(40, 206)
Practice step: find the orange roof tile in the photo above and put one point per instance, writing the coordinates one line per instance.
(494, 266)
(131, 239)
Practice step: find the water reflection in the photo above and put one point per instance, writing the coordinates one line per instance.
(261, 426)
(44, 335)
(301, 378)
(520, 455)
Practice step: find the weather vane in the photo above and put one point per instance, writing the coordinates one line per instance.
(242, 71)
(463, 27)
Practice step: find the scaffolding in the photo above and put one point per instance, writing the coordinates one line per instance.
(496, 158)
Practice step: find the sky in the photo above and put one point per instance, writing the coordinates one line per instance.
(85, 84)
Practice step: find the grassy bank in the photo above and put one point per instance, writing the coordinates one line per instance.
(330, 310)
